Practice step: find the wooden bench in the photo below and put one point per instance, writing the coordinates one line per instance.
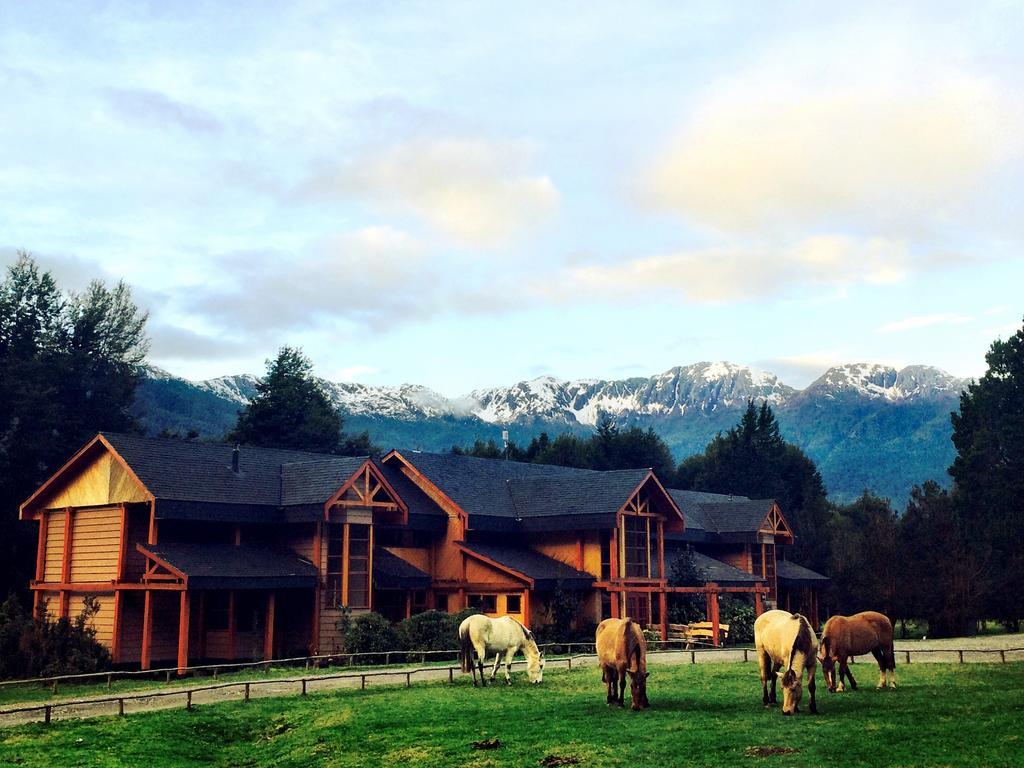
(697, 632)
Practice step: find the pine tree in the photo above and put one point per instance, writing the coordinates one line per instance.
(69, 366)
(988, 472)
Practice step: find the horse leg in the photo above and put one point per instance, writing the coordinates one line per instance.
(497, 663)
(765, 665)
(880, 658)
(621, 674)
(810, 688)
(610, 679)
(775, 679)
(481, 654)
(509, 654)
(892, 666)
(845, 670)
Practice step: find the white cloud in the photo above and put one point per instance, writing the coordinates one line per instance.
(787, 147)
(923, 321)
(476, 191)
(733, 273)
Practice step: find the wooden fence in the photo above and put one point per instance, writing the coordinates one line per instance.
(45, 711)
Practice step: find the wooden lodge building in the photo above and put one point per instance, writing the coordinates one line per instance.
(200, 551)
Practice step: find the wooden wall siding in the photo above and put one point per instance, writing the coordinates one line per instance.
(299, 539)
(481, 573)
(102, 622)
(566, 548)
(131, 626)
(447, 556)
(416, 556)
(50, 602)
(138, 533)
(54, 546)
(737, 557)
(330, 637)
(95, 544)
(101, 481)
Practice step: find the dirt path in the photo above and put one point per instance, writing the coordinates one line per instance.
(952, 650)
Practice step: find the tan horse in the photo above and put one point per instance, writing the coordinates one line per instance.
(622, 650)
(846, 636)
(785, 639)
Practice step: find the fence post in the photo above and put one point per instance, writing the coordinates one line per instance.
(55, 688)
(408, 679)
(168, 678)
(693, 657)
(188, 700)
(387, 658)
(961, 654)
(246, 691)
(110, 681)
(120, 707)
(303, 687)
(46, 713)
(451, 674)
(1002, 655)
(570, 663)
(744, 654)
(908, 657)
(362, 682)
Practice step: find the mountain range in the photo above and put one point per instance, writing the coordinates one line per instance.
(866, 426)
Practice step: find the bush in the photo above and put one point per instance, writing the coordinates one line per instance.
(738, 613)
(38, 647)
(371, 633)
(431, 631)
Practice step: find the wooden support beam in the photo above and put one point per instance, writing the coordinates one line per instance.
(314, 634)
(152, 537)
(232, 627)
(661, 550)
(115, 643)
(268, 628)
(613, 554)
(184, 612)
(526, 607)
(344, 565)
(41, 551)
(408, 604)
(147, 630)
(663, 612)
(65, 564)
(758, 605)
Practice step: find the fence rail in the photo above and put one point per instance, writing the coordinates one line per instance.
(46, 710)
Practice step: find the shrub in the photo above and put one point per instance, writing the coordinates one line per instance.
(431, 631)
(739, 614)
(38, 647)
(371, 633)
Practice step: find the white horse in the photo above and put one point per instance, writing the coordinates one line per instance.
(784, 639)
(505, 635)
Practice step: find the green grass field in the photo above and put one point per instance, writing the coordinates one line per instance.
(703, 715)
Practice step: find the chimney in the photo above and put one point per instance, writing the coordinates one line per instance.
(235, 454)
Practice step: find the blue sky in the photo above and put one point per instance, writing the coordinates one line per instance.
(469, 194)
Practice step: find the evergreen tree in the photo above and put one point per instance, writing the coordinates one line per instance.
(865, 557)
(291, 410)
(940, 581)
(988, 472)
(69, 366)
(753, 460)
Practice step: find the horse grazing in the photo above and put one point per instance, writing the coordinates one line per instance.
(783, 638)
(622, 649)
(505, 635)
(846, 636)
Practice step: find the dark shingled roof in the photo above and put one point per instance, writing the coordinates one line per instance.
(722, 573)
(194, 480)
(224, 566)
(424, 514)
(392, 572)
(546, 572)
(718, 516)
(509, 495)
(315, 480)
(791, 574)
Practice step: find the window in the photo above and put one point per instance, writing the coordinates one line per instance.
(484, 603)
(606, 555)
(359, 566)
(606, 605)
(756, 561)
(419, 600)
(217, 604)
(335, 553)
(513, 604)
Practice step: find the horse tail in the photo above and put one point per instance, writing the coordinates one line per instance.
(466, 650)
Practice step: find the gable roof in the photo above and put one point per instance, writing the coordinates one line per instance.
(791, 574)
(545, 572)
(502, 495)
(721, 517)
(227, 566)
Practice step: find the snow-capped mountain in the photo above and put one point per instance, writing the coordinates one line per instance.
(865, 425)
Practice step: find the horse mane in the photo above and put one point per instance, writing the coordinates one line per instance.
(528, 633)
(802, 641)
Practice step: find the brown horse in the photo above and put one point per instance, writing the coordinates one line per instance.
(621, 649)
(783, 638)
(846, 636)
